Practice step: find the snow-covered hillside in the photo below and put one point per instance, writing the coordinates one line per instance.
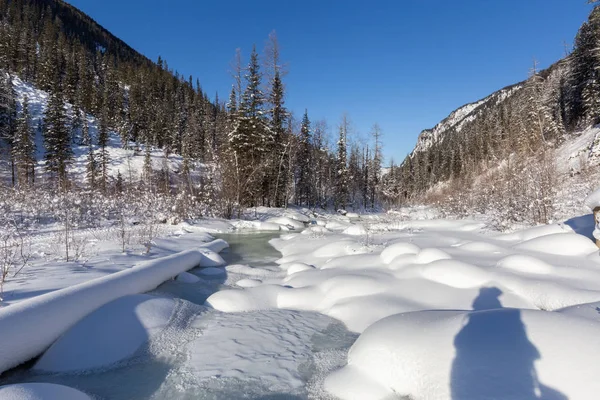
(462, 115)
(128, 161)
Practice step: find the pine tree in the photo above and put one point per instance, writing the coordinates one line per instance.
(91, 167)
(23, 148)
(57, 141)
(103, 157)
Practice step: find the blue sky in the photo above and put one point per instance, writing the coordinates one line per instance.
(405, 64)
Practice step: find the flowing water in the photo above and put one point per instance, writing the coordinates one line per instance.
(207, 354)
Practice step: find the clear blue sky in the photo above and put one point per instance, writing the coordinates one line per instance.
(405, 64)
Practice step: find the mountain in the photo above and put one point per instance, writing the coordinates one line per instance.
(527, 136)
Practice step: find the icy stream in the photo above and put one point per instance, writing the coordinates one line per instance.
(207, 354)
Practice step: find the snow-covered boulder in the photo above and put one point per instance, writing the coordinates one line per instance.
(110, 334)
(40, 391)
(398, 249)
(211, 259)
(297, 216)
(186, 277)
(495, 354)
(355, 230)
(287, 222)
(248, 283)
(563, 244)
(57, 311)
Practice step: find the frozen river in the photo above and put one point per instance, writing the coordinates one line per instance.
(207, 354)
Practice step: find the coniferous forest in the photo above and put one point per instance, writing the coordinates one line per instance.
(241, 150)
(245, 149)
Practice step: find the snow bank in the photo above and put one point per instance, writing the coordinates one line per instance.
(287, 222)
(501, 354)
(186, 277)
(398, 249)
(355, 230)
(109, 334)
(564, 244)
(593, 200)
(40, 391)
(57, 311)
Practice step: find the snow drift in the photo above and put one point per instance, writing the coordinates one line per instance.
(109, 334)
(500, 354)
(58, 311)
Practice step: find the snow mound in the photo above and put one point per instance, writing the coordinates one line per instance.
(532, 233)
(40, 391)
(248, 283)
(316, 230)
(217, 245)
(563, 244)
(59, 310)
(588, 311)
(456, 274)
(593, 200)
(287, 222)
(298, 267)
(356, 230)
(398, 249)
(211, 258)
(297, 216)
(525, 263)
(110, 334)
(186, 277)
(495, 354)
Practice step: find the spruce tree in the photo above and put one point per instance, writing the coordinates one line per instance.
(103, 157)
(23, 148)
(57, 141)
(305, 177)
(341, 175)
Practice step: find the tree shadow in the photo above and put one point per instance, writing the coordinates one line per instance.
(494, 357)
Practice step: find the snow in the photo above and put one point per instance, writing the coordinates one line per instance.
(186, 277)
(92, 342)
(273, 346)
(565, 244)
(502, 353)
(288, 222)
(411, 289)
(40, 391)
(212, 271)
(57, 311)
(356, 230)
(593, 200)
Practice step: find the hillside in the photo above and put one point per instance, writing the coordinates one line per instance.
(515, 150)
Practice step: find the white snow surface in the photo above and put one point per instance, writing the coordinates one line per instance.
(445, 309)
(109, 334)
(59, 310)
(492, 354)
(40, 391)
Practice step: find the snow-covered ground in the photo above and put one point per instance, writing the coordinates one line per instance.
(379, 306)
